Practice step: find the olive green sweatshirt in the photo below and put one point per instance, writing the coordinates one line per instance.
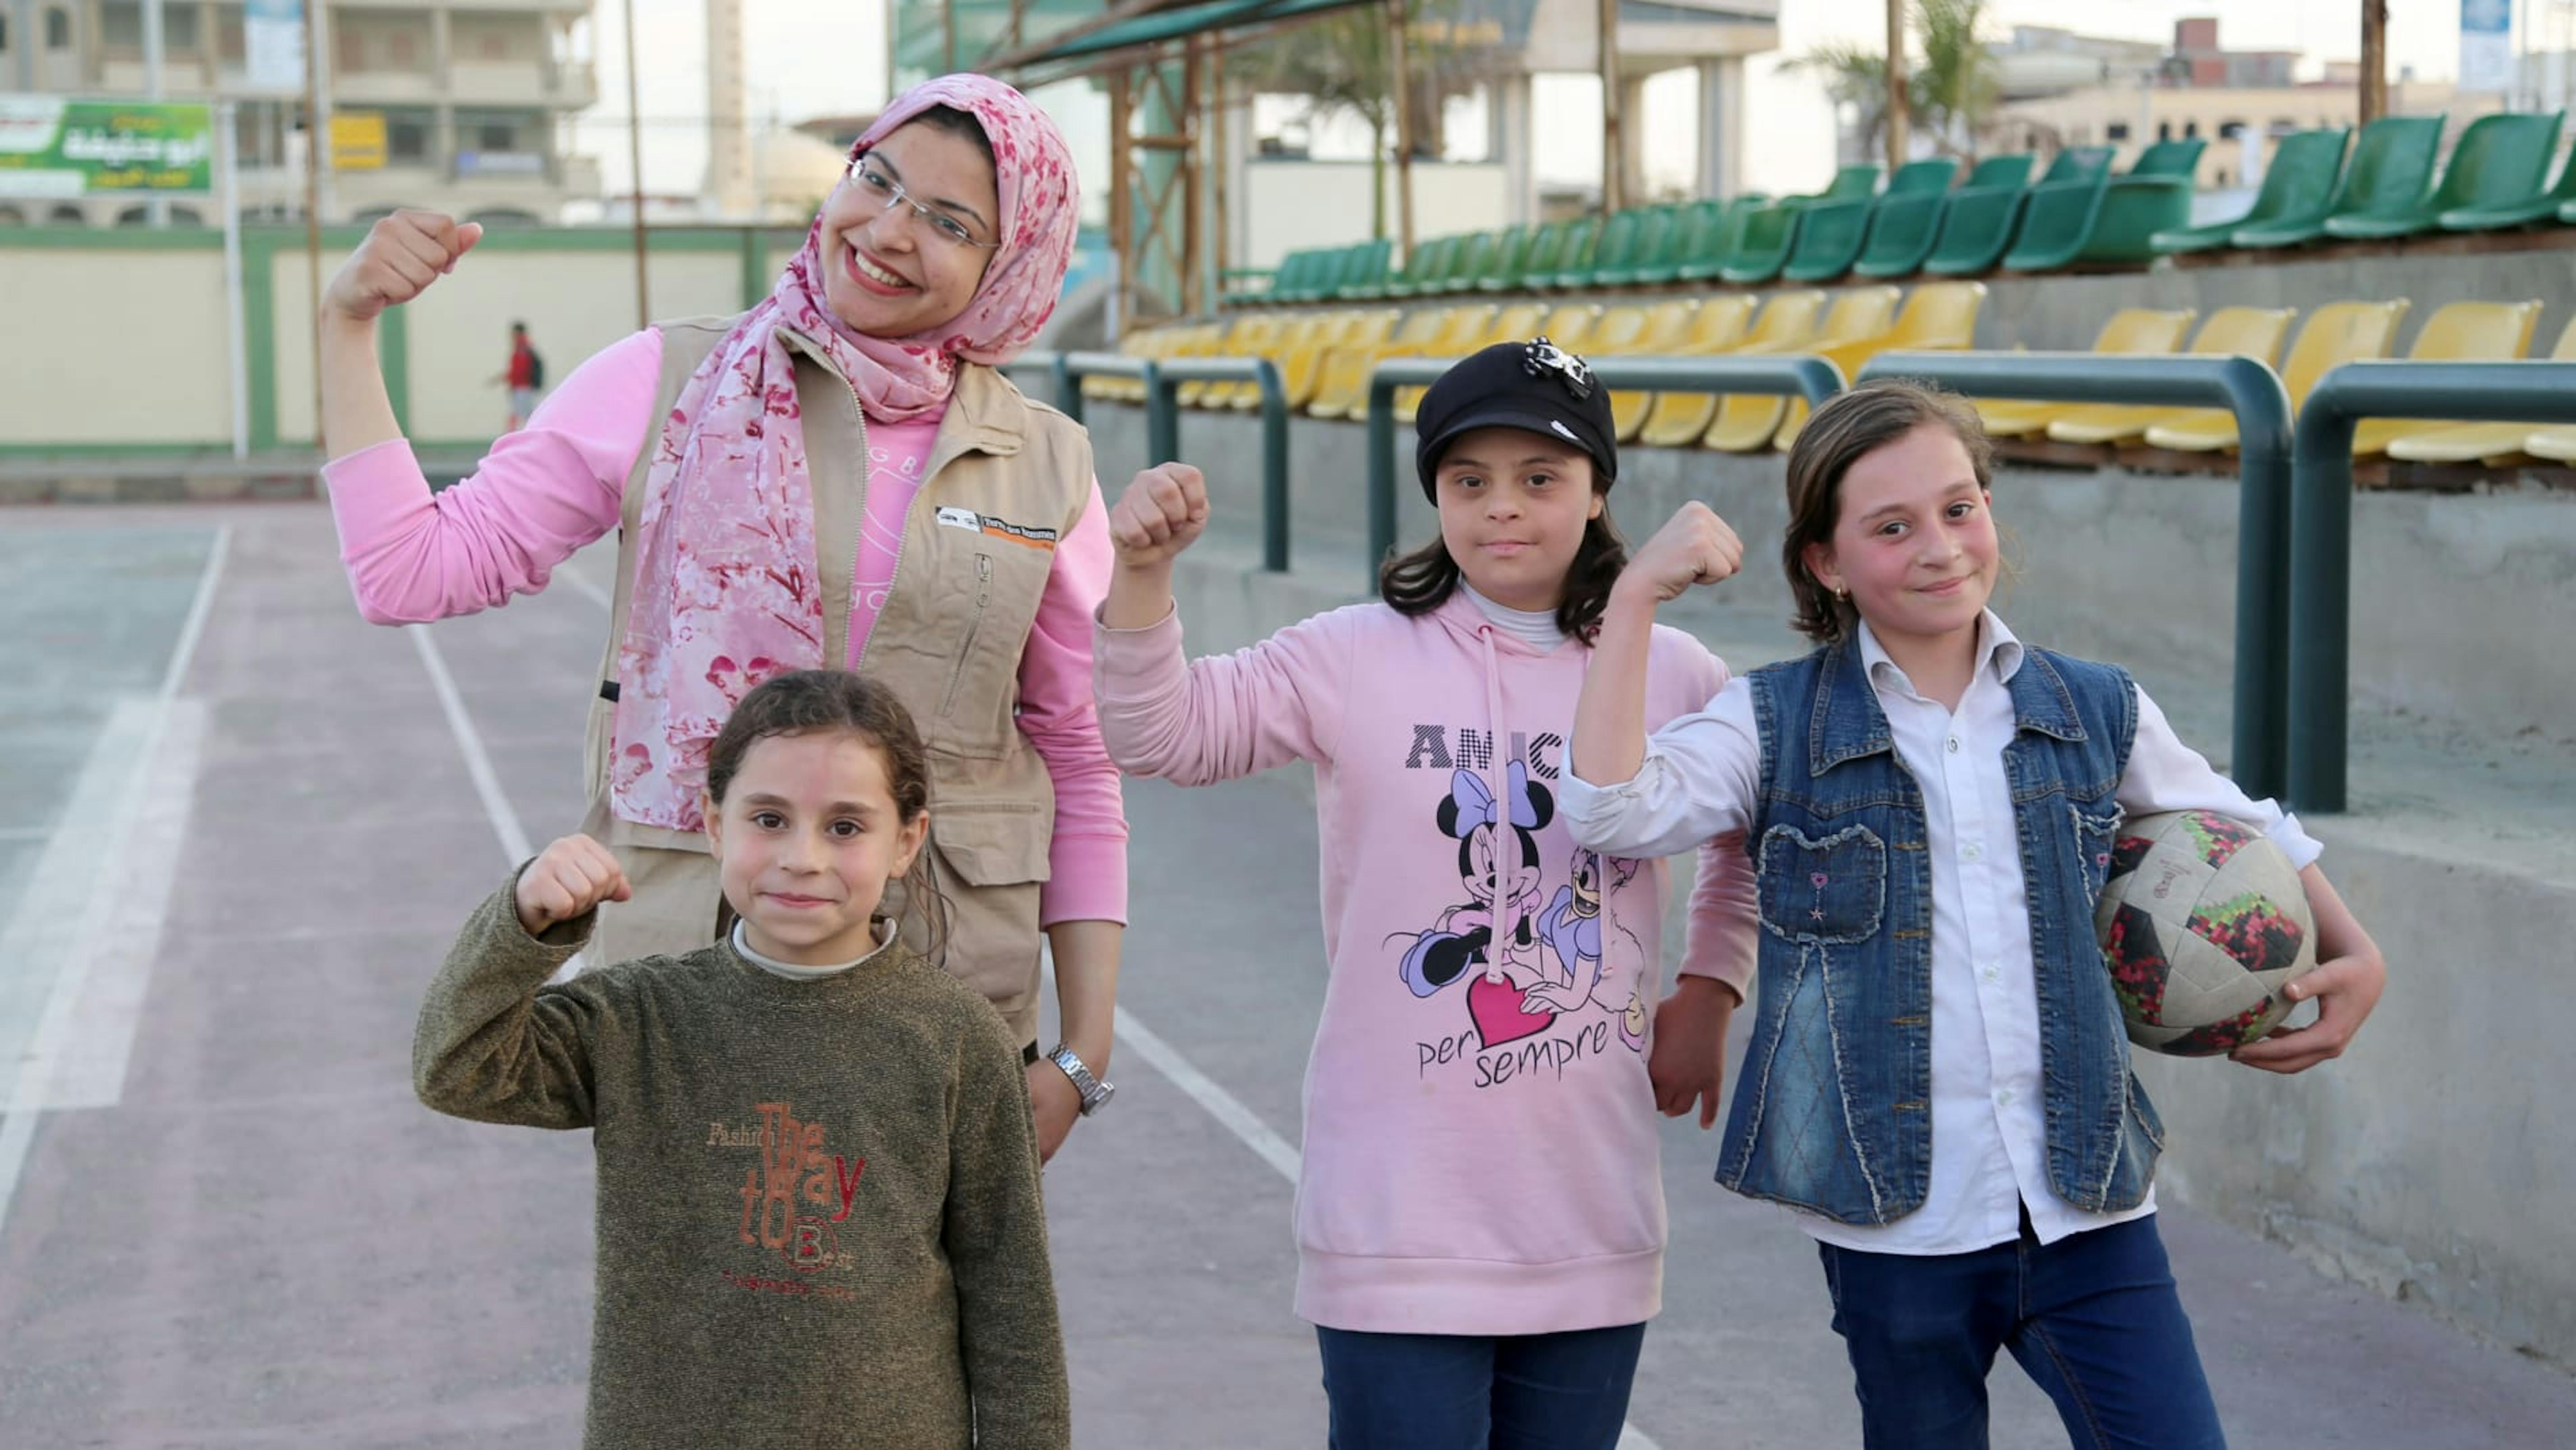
(818, 1214)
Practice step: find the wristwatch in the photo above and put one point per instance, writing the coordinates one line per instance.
(1094, 1091)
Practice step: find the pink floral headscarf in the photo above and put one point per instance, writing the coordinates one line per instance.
(725, 591)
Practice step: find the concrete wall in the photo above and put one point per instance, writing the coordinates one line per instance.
(2065, 312)
(91, 306)
(2428, 1162)
(86, 329)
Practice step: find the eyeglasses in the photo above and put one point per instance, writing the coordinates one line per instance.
(890, 194)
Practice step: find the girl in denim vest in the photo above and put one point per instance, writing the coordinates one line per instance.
(1938, 1080)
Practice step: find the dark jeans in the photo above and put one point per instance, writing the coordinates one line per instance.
(1564, 1391)
(2093, 1318)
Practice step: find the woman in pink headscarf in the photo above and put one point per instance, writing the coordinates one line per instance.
(838, 476)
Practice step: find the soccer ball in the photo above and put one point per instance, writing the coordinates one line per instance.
(2203, 922)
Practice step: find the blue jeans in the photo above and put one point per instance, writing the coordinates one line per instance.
(1564, 1391)
(2093, 1318)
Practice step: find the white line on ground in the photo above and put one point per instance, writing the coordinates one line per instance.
(122, 925)
(61, 906)
(1245, 1124)
(469, 743)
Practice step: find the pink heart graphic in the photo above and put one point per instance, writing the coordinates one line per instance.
(1494, 1004)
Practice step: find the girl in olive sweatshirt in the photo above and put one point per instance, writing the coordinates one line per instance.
(818, 1211)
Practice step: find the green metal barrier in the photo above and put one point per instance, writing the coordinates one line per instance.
(2243, 386)
(1162, 379)
(1811, 378)
(2321, 526)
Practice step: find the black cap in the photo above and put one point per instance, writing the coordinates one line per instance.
(1534, 386)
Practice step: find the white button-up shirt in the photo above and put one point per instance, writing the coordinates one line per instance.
(1700, 779)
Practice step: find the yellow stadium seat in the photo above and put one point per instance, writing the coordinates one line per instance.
(1301, 365)
(2557, 444)
(2254, 332)
(1787, 324)
(1746, 421)
(2460, 332)
(1430, 332)
(1937, 317)
(2333, 335)
(1246, 336)
(1513, 322)
(1663, 329)
(2129, 330)
(1153, 342)
(2478, 442)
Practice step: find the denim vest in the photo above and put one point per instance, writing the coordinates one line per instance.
(1833, 1113)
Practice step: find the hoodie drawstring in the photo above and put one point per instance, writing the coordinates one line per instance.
(1507, 837)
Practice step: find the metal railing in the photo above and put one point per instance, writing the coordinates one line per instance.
(1162, 378)
(2253, 393)
(2321, 526)
(1798, 376)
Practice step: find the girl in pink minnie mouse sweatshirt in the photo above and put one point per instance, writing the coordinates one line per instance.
(1480, 1218)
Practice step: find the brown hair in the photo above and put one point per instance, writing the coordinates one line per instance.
(808, 702)
(1417, 583)
(1843, 431)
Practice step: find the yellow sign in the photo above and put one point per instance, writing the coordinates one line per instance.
(358, 141)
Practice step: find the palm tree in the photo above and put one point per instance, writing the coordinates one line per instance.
(1949, 92)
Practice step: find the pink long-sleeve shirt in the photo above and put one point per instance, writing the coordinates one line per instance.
(1480, 1148)
(557, 484)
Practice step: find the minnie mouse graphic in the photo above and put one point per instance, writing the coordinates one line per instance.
(1463, 937)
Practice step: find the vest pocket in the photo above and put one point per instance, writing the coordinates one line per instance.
(991, 843)
(2097, 834)
(991, 857)
(1829, 890)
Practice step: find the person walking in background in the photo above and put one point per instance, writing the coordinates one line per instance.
(525, 377)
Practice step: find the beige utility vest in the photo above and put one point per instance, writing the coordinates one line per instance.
(1006, 480)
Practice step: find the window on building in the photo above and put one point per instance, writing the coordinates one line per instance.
(66, 214)
(2116, 131)
(179, 27)
(120, 25)
(502, 136)
(2191, 130)
(58, 36)
(403, 50)
(2164, 130)
(2230, 130)
(407, 135)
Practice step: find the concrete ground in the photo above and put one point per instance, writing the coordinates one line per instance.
(237, 828)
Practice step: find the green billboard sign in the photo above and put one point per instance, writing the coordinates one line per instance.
(54, 147)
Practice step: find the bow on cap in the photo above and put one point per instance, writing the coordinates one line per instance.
(1477, 806)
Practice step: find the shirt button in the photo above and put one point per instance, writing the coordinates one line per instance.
(1989, 972)
(1972, 852)
(2003, 1097)
(1954, 745)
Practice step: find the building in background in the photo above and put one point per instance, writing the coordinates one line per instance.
(457, 107)
(2237, 101)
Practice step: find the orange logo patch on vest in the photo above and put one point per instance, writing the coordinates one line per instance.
(991, 527)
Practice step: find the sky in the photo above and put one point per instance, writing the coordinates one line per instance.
(810, 57)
